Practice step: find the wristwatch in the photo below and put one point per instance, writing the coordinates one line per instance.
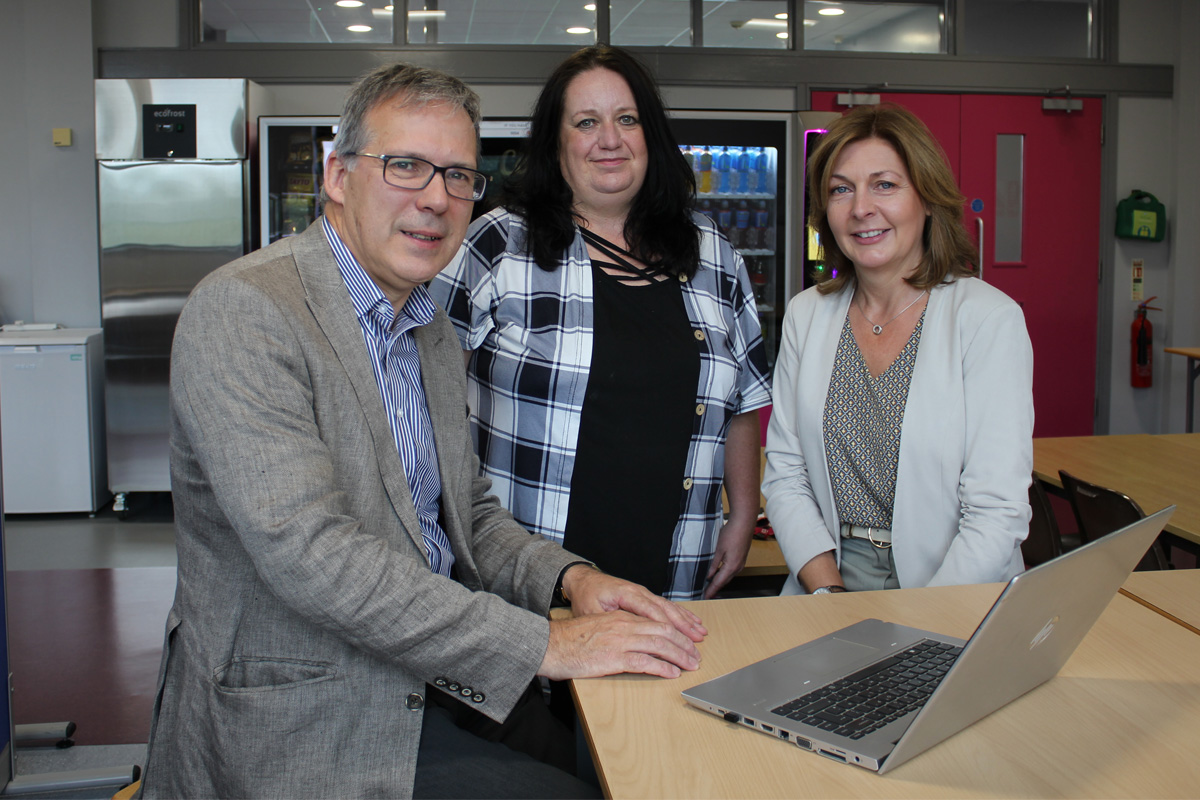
(829, 589)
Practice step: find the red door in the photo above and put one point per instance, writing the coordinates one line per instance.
(1042, 248)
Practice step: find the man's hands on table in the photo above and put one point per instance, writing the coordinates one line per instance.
(618, 626)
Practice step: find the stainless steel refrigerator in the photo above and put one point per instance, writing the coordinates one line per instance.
(173, 176)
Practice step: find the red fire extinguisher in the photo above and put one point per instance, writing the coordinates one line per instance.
(1141, 344)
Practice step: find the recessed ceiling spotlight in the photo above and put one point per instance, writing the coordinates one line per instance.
(349, 3)
(578, 30)
(590, 7)
(389, 7)
(781, 16)
(831, 12)
(437, 13)
(781, 35)
(808, 23)
(358, 28)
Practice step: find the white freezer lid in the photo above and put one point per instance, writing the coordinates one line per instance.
(59, 336)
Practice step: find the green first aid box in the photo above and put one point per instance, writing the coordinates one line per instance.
(1141, 216)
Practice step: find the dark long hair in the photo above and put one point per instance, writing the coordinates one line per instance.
(659, 224)
(948, 249)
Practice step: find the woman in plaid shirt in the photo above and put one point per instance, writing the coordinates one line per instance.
(613, 345)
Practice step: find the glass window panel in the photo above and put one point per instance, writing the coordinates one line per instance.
(494, 22)
(1033, 28)
(273, 21)
(746, 23)
(875, 27)
(651, 23)
(1010, 196)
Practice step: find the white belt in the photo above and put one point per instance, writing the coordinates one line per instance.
(880, 537)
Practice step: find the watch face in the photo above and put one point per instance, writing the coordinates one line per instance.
(822, 590)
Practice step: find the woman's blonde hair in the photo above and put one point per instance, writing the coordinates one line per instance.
(948, 249)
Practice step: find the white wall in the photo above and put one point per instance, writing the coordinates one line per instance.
(1156, 152)
(49, 264)
(136, 23)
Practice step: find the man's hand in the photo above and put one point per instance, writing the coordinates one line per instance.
(592, 592)
(733, 544)
(614, 642)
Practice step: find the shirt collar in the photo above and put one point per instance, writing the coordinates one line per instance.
(369, 302)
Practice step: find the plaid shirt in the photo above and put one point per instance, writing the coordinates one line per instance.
(531, 331)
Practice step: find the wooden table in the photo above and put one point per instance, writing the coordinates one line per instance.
(1174, 593)
(1119, 721)
(1193, 371)
(1156, 471)
(764, 558)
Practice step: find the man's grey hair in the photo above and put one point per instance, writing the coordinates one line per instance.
(407, 85)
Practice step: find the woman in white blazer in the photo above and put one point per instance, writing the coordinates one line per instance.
(900, 446)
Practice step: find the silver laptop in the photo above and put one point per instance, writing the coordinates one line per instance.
(876, 694)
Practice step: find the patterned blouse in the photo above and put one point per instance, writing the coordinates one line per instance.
(863, 418)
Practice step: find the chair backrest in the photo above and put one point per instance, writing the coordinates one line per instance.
(1100, 511)
(1043, 542)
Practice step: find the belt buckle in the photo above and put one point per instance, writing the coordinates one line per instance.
(879, 545)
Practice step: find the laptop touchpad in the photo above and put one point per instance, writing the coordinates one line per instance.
(832, 654)
(810, 665)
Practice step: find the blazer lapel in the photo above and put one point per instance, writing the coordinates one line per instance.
(327, 298)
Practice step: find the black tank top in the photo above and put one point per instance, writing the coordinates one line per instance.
(635, 428)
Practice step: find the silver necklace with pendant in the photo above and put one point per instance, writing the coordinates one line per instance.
(878, 329)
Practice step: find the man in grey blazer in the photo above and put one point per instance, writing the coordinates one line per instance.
(340, 561)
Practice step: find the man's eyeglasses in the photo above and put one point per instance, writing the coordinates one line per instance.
(409, 172)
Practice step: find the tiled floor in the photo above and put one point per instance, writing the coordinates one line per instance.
(87, 600)
(145, 538)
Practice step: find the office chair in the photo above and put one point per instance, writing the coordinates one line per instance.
(1100, 511)
(1043, 542)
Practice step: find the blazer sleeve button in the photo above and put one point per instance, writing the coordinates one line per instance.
(466, 691)
(414, 702)
(478, 697)
(440, 682)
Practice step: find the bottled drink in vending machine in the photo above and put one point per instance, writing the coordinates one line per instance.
(706, 208)
(765, 234)
(750, 174)
(724, 170)
(688, 156)
(762, 170)
(741, 226)
(706, 176)
(725, 219)
(745, 168)
(758, 274)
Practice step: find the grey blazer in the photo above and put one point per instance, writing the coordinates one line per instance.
(306, 621)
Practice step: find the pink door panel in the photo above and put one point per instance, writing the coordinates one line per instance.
(1048, 235)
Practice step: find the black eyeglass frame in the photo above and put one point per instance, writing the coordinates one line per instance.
(480, 182)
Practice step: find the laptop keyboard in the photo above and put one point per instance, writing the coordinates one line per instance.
(876, 695)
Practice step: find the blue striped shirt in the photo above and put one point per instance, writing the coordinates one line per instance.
(397, 366)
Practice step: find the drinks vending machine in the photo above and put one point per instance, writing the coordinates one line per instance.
(741, 162)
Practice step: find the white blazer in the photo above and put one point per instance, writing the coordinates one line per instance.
(966, 447)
